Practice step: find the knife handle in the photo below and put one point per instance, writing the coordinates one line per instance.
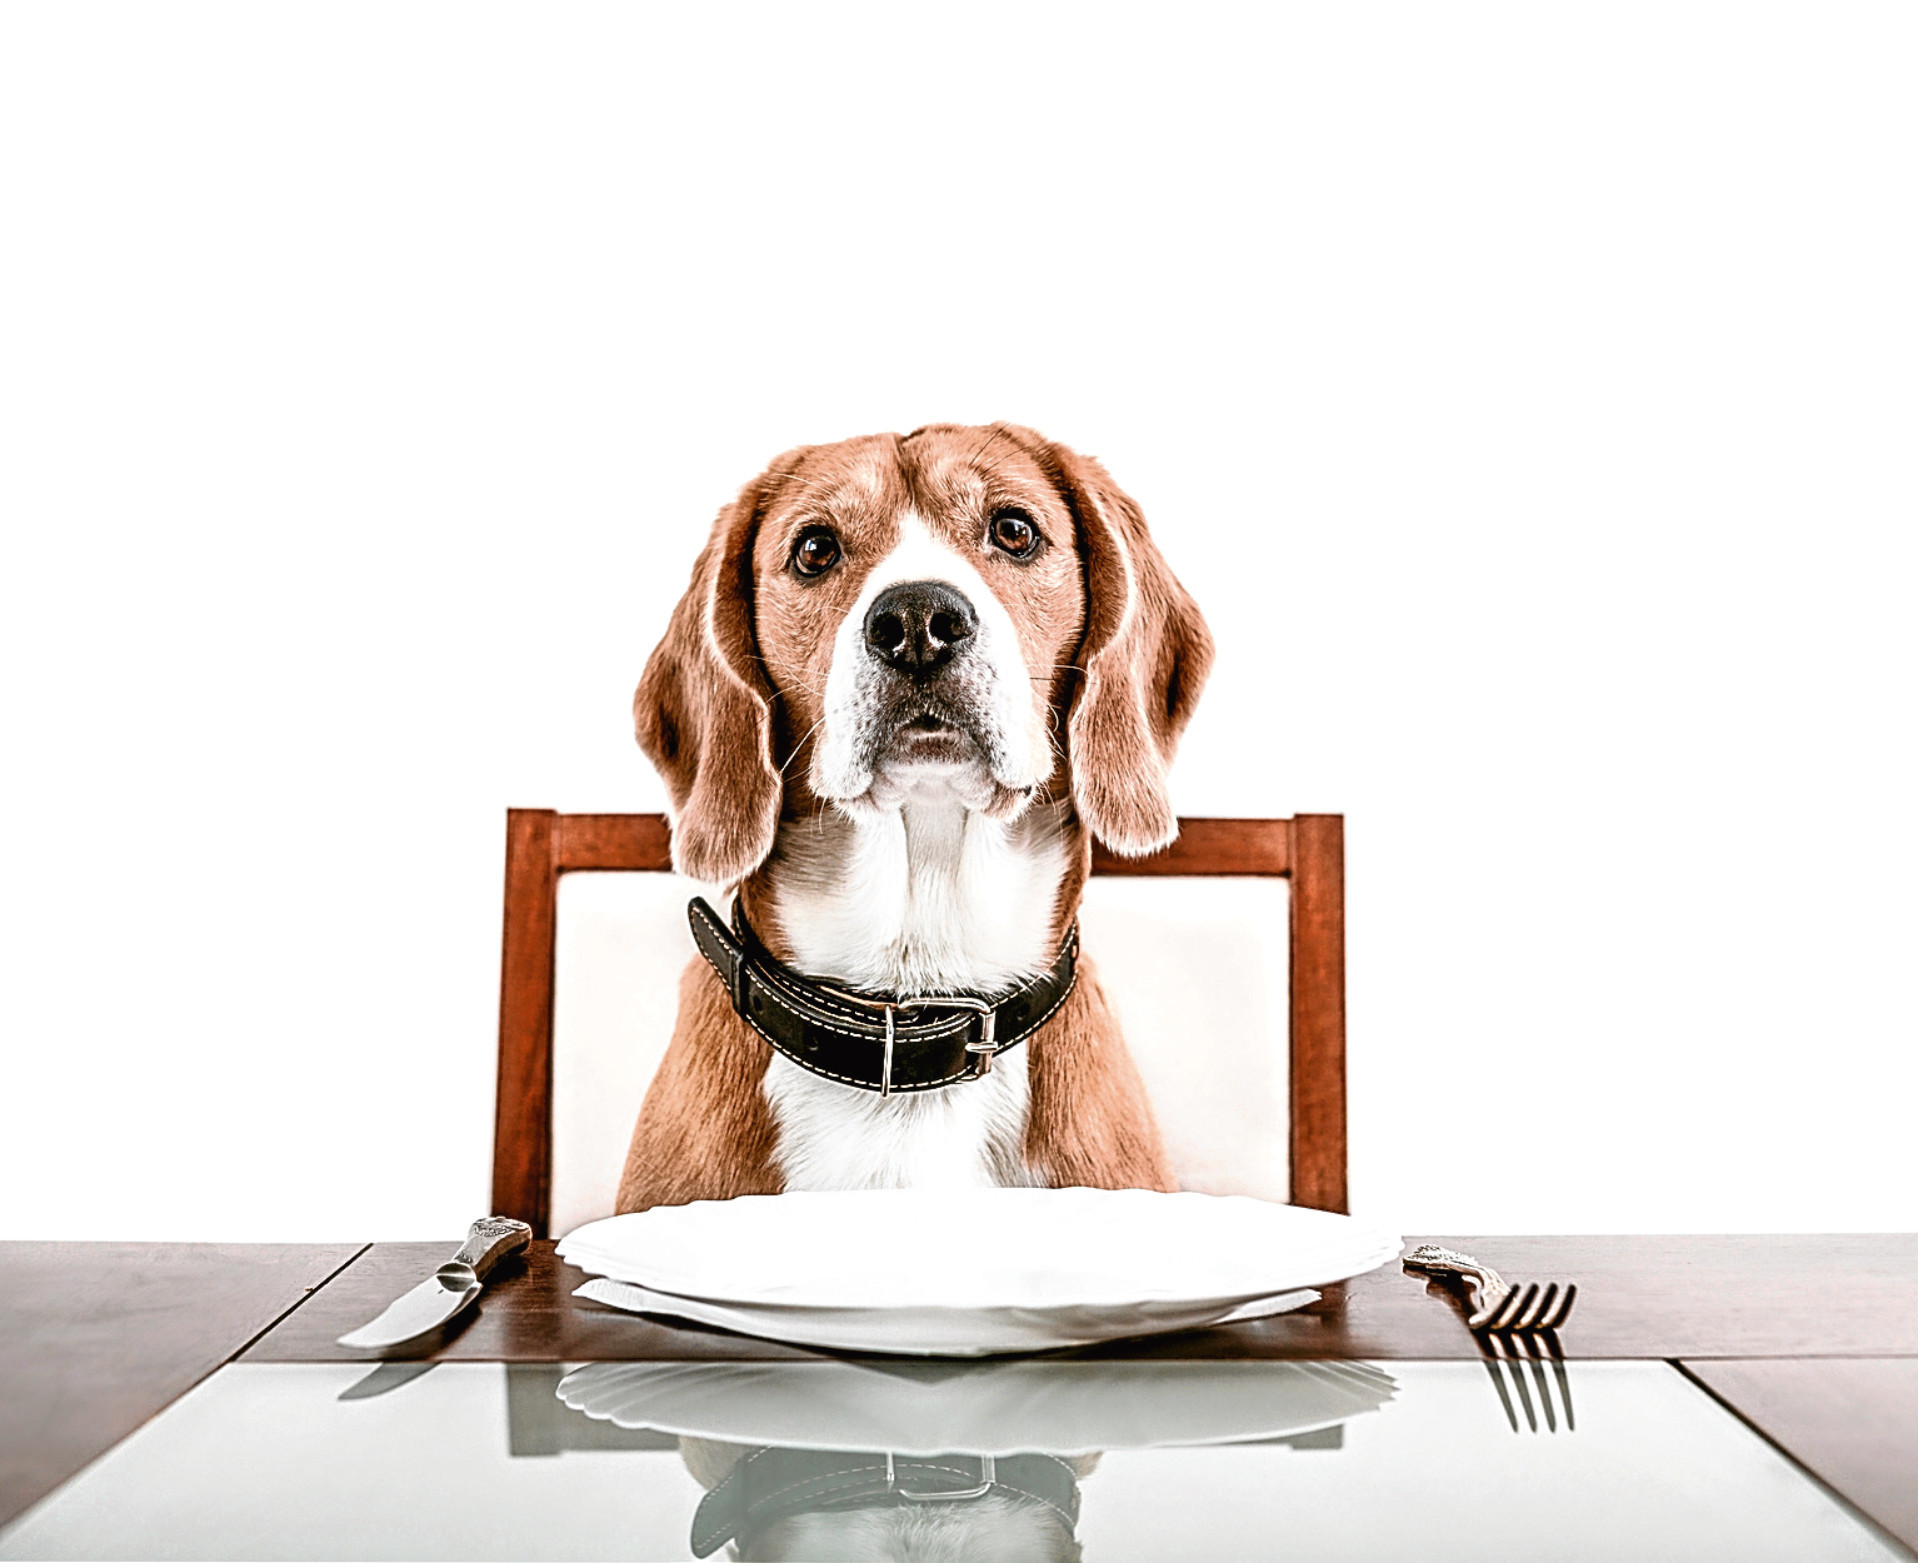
(491, 1239)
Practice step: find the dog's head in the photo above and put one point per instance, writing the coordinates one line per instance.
(979, 609)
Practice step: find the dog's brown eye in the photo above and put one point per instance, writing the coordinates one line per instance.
(816, 552)
(1013, 531)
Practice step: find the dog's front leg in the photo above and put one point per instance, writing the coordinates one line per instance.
(1091, 1123)
(704, 1130)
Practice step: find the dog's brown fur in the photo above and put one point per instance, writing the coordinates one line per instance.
(732, 696)
(704, 1130)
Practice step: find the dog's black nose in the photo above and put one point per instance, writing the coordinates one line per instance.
(916, 626)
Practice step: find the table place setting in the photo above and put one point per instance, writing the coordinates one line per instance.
(534, 1421)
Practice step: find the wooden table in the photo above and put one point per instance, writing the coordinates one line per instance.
(96, 1338)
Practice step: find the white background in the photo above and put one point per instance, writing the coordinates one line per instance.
(1526, 393)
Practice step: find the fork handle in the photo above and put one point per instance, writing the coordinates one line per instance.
(1447, 1261)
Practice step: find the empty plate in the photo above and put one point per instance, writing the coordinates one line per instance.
(973, 1271)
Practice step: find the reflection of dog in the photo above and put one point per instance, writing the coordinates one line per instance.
(796, 1514)
(913, 678)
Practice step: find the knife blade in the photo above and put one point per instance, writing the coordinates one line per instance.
(448, 1289)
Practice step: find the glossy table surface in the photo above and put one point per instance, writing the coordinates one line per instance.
(1702, 1354)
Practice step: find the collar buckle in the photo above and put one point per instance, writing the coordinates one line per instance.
(981, 1051)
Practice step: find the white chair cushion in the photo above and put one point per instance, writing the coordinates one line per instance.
(1199, 971)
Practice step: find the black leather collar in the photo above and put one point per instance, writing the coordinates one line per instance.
(773, 1484)
(877, 1042)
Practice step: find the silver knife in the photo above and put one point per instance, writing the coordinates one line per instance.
(449, 1289)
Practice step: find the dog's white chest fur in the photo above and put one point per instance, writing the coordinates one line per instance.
(933, 898)
(832, 1136)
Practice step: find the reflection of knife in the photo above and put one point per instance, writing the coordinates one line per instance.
(449, 1289)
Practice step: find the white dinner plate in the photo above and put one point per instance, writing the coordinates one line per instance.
(977, 1248)
(1065, 1265)
(942, 1332)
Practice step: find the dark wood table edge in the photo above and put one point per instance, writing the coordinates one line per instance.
(1851, 1487)
(1906, 1544)
(259, 1335)
(21, 1502)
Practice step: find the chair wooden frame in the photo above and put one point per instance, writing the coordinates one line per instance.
(542, 844)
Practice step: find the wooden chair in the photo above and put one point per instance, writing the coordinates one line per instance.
(541, 844)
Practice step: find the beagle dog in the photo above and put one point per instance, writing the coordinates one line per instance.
(913, 679)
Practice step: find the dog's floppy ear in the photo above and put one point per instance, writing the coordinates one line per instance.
(1145, 657)
(703, 709)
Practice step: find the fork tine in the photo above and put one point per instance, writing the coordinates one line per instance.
(1546, 1309)
(1520, 1320)
(1515, 1319)
(1520, 1299)
(1540, 1311)
(1564, 1307)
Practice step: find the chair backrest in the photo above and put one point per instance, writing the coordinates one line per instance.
(1308, 850)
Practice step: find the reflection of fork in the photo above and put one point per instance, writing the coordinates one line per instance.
(1500, 1306)
(1514, 1355)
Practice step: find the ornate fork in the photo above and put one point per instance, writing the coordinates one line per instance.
(1501, 1307)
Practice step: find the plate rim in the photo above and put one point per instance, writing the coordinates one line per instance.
(1365, 1247)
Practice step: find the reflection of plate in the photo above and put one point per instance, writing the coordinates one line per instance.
(943, 1332)
(978, 1248)
(986, 1408)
